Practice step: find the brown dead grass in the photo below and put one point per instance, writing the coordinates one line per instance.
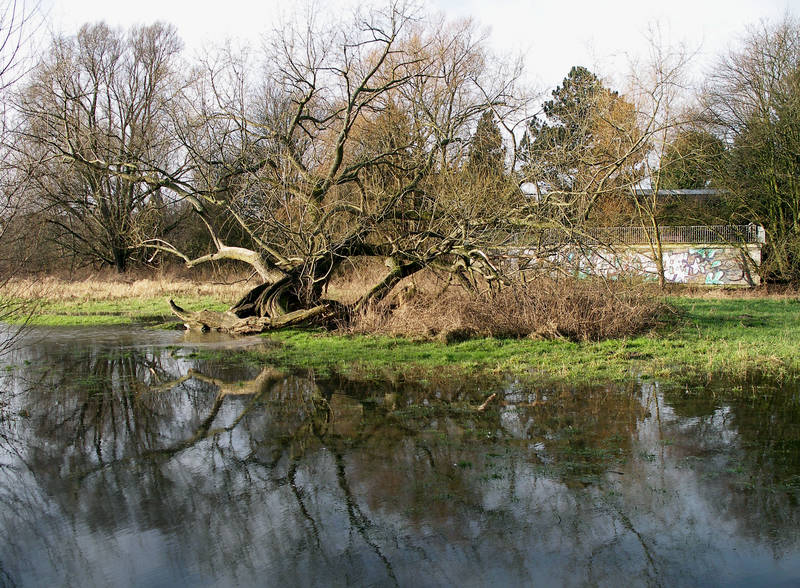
(771, 291)
(354, 278)
(423, 306)
(110, 286)
(580, 310)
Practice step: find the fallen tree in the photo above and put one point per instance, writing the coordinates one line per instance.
(361, 142)
(250, 323)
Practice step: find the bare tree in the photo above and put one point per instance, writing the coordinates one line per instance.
(353, 145)
(18, 21)
(15, 28)
(752, 100)
(657, 90)
(96, 111)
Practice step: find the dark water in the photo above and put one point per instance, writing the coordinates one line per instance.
(128, 459)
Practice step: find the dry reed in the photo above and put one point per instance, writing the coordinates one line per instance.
(100, 287)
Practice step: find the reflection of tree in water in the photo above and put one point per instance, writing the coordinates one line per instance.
(131, 422)
(76, 408)
(238, 473)
(756, 460)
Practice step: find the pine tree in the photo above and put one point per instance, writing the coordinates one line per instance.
(486, 153)
(691, 160)
(578, 152)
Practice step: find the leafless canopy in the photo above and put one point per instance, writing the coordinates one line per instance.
(751, 101)
(347, 141)
(97, 111)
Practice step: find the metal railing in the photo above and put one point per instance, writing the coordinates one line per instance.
(703, 234)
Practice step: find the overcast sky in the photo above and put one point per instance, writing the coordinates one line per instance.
(553, 35)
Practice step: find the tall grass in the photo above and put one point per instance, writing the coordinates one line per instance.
(423, 307)
(106, 287)
(109, 298)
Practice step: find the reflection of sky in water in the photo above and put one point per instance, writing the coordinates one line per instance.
(109, 483)
(121, 338)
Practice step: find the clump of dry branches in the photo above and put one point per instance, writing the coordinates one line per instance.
(579, 310)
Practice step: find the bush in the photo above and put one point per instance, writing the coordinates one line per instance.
(579, 310)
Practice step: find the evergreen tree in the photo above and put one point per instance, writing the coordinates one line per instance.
(691, 161)
(486, 152)
(580, 149)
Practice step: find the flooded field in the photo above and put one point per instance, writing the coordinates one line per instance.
(131, 458)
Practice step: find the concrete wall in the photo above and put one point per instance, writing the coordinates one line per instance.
(709, 264)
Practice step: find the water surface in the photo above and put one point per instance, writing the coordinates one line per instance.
(129, 458)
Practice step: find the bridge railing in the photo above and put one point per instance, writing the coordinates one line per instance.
(702, 234)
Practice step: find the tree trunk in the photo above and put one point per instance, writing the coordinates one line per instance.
(267, 306)
(120, 260)
(228, 322)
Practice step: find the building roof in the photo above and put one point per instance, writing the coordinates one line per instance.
(697, 192)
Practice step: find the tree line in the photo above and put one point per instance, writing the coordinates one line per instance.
(388, 136)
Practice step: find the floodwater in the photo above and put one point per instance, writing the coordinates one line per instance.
(138, 458)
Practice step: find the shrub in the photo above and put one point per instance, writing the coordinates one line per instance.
(579, 310)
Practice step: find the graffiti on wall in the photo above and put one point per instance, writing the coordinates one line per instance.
(686, 264)
(703, 264)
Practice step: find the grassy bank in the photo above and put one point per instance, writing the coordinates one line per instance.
(700, 337)
(98, 301)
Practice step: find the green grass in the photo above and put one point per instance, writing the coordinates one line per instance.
(702, 339)
(122, 311)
